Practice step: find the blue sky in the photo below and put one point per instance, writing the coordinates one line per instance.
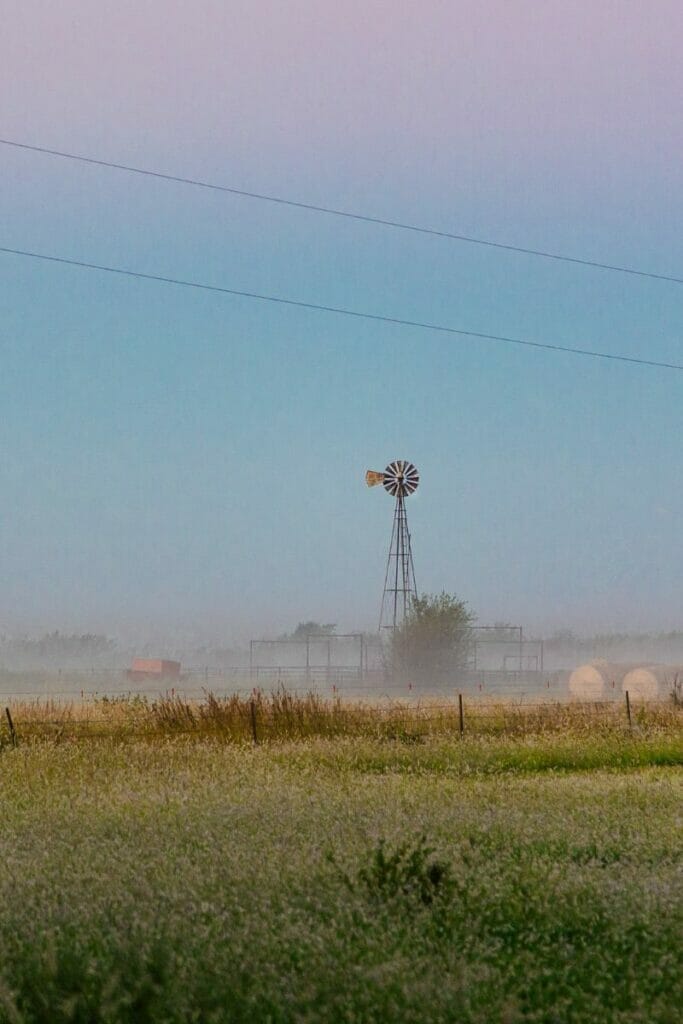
(181, 461)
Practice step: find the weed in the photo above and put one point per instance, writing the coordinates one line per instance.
(409, 871)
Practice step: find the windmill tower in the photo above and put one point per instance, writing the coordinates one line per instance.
(400, 479)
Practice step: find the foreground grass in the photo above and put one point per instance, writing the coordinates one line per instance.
(175, 880)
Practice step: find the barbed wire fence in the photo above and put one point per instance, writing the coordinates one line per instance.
(253, 719)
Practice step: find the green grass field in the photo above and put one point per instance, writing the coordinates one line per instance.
(407, 877)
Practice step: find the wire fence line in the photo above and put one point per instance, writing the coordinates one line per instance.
(258, 717)
(423, 707)
(430, 712)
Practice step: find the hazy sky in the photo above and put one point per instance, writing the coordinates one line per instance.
(180, 460)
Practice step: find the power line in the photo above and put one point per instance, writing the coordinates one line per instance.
(340, 310)
(349, 215)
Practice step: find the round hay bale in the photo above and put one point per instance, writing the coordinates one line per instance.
(597, 680)
(651, 681)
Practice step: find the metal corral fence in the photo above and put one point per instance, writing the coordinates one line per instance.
(484, 648)
(498, 660)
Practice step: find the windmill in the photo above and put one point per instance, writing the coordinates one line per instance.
(400, 479)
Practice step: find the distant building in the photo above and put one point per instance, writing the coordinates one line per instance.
(154, 668)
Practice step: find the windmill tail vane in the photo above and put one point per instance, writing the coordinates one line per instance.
(373, 478)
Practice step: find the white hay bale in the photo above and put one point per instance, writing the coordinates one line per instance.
(597, 680)
(651, 681)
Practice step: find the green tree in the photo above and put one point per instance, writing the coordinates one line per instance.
(433, 643)
(305, 629)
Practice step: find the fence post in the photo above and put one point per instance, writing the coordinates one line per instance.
(252, 712)
(12, 730)
(628, 709)
(461, 715)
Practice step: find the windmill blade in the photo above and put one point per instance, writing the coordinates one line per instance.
(411, 478)
(372, 478)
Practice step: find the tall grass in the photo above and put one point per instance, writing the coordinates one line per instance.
(283, 716)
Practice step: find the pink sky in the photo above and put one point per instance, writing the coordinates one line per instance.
(431, 89)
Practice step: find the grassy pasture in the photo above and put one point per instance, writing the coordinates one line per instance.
(161, 867)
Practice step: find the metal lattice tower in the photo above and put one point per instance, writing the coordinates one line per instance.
(400, 479)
